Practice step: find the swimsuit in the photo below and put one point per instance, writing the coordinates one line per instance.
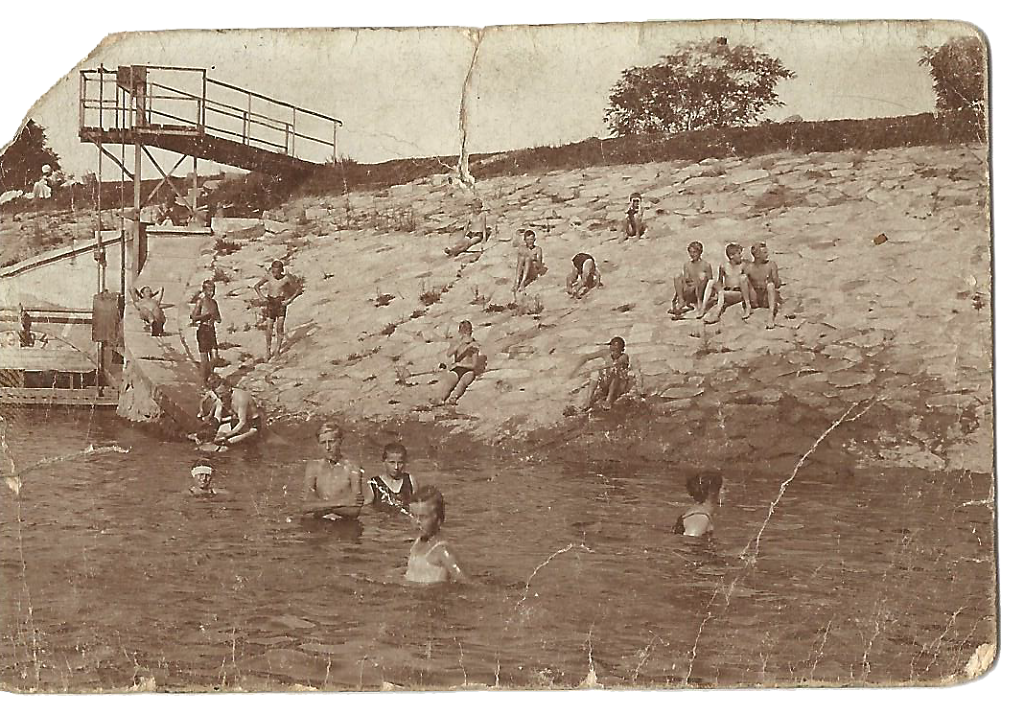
(384, 496)
(461, 372)
(275, 308)
(206, 336)
(699, 510)
(579, 259)
(421, 570)
(617, 370)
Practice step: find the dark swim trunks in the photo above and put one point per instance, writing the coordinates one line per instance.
(206, 336)
(275, 308)
(460, 372)
(579, 259)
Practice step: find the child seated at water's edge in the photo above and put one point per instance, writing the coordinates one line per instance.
(394, 488)
(477, 231)
(610, 380)
(704, 489)
(431, 559)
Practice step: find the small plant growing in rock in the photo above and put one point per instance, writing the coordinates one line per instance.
(383, 299)
(220, 275)
(429, 297)
(417, 314)
(479, 298)
(530, 306)
(223, 246)
(389, 329)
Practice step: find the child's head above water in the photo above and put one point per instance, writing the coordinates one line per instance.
(202, 475)
(394, 458)
(704, 486)
(427, 507)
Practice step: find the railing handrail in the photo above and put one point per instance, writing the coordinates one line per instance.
(233, 112)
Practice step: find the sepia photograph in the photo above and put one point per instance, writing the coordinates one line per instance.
(632, 355)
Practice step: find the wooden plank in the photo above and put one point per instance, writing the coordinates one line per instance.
(43, 360)
(21, 396)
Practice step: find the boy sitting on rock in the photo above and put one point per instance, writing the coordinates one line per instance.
(610, 380)
(763, 275)
(732, 285)
(529, 263)
(634, 226)
(477, 230)
(692, 284)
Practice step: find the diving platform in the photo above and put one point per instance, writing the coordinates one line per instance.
(183, 110)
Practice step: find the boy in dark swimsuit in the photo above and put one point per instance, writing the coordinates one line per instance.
(732, 285)
(394, 488)
(464, 354)
(583, 277)
(148, 304)
(205, 313)
(282, 289)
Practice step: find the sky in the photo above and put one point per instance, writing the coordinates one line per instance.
(398, 92)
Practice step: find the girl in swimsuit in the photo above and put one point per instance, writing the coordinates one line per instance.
(705, 489)
(431, 559)
(394, 488)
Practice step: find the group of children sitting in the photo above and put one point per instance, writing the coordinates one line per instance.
(754, 283)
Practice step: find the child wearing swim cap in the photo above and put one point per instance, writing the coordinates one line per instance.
(705, 489)
(202, 476)
(431, 559)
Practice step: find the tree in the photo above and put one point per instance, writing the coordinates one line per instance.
(701, 84)
(21, 165)
(958, 75)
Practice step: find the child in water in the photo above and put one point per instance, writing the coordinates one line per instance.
(394, 487)
(202, 475)
(704, 488)
(431, 559)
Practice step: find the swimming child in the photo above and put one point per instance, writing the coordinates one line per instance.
(611, 380)
(704, 488)
(333, 486)
(692, 284)
(583, 277)
(431, 559)
(465, 355)
(394, 487)
(202, 475)
(634, 225)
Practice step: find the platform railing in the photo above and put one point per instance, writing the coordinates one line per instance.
(186, 100)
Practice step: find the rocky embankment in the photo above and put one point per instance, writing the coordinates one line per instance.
(884, 255)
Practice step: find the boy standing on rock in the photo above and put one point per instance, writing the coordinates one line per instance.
(282, 289)
(529, 263)
(764, 282)
(205, 313)
(634, 226)
(691, 286)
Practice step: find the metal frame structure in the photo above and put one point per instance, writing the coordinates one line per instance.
(184, 111)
